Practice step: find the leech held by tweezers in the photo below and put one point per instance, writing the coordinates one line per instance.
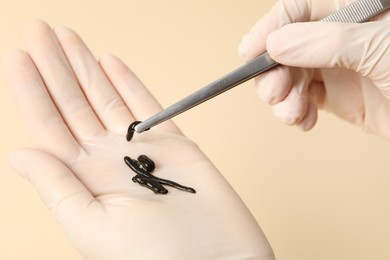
(131, 130)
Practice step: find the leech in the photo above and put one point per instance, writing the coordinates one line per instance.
(144, 166)
(146, 179)
(131, 130)
(149, 183)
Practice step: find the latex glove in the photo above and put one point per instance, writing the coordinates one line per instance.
(342, 68)
(77, 111)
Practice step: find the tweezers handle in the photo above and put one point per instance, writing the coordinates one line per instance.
(357, 12)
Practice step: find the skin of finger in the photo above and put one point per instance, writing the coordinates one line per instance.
(104, 99)
(43, 121)
(272, 87)
(291, 110)
(57, 186)
(316, 96)
(310, 119)
(282, 13)
(385, 16)
(309, 45)
(294, 107)
(56, 72)
(137, 98)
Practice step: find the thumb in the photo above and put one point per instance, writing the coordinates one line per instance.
(58, 187)
(360, 47)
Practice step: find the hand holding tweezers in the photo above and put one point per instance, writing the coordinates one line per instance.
(357, 12)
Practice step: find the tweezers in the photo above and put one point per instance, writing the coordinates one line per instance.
(357, 12)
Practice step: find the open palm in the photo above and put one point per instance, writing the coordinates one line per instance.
(77, 111)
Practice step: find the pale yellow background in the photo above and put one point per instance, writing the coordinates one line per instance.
(318, 196)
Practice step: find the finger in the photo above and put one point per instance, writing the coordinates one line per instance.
(282, 13)
(43, 120)
(384, 16)
(295, 106)
(47, 54)
(106, 102)
(316, 96)
(273, 86)
(58, 187)
(310, 119)
(309, 45)
(139, 100)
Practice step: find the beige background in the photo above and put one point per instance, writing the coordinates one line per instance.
(320, 195)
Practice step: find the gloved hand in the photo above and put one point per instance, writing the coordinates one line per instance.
(77, 111)
(342, 68)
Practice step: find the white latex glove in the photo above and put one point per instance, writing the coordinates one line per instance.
(342, 68)
(77, 111)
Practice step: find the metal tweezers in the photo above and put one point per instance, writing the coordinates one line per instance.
(357, 12)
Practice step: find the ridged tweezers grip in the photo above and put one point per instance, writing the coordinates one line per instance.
(356, 12)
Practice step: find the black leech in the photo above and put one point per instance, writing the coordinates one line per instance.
(144, 166)
(149, 183)
(146, 163)
(146, 179)
(131, 130)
